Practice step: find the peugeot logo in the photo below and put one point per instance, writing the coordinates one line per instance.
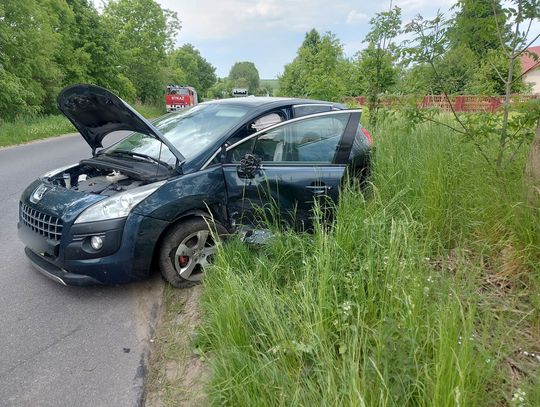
(38, 193)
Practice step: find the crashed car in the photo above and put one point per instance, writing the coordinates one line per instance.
(164, 194)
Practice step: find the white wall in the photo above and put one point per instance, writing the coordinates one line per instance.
(533, 77)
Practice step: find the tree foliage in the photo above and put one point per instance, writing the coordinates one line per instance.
(377, 71)
(221, 89)
(245, 75)
(319, 70)
(93, 36)
(46, 45)
(467, 49)
(28, 71)
(478, 26)
(187, 66)
(145, 32)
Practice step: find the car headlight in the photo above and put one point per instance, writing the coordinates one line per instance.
(56, 171)
(117, 206)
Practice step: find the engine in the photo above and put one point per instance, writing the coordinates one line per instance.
(95, 181)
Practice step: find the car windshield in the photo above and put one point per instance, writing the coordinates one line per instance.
(191, 131)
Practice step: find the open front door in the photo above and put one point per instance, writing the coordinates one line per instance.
(279, 172)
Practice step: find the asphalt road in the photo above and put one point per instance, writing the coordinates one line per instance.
(64, 346)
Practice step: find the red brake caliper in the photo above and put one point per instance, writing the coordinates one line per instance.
(183, 260)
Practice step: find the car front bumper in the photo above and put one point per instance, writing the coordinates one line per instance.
(128, 256)
(56, 273)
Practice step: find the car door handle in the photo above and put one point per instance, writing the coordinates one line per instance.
(319, 189)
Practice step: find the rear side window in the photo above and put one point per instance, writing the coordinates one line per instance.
(305, 110)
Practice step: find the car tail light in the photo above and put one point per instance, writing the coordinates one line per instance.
(367, 134)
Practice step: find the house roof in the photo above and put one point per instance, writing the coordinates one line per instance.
(528, 63)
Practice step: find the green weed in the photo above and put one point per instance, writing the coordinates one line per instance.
(422, 292)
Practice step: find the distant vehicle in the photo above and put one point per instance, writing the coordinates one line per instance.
(180, 97)
(152, 199)
(239, 92)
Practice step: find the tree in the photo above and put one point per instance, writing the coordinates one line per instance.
(221, 89)
(509, 133)
(472, 45)
(418, 80)
(145, 32)
(522, 13)
(245, 75)
(318, 71)
(46, 45)
(94, 38)
(488, 76)
(477, 36)
(187, 66)
(28, 69)
(477, 25)
(376, 62)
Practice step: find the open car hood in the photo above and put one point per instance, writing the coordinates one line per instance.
(96, 112)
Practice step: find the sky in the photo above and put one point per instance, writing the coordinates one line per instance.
(269, 32)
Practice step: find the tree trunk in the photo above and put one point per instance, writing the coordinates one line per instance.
(532, 169)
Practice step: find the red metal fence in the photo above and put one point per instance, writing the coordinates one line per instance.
(465, 103)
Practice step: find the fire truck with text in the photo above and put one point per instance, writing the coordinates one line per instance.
(179, 97)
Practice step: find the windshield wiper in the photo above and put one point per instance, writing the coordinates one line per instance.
(140, 155)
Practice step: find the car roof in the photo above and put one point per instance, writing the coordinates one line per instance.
(259, 101)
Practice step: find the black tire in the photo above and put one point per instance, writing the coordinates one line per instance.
(182, 242)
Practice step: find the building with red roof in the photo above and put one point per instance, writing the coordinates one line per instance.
(531, 68)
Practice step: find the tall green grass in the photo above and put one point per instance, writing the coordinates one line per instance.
(151, 111)
(424, 292)
(28, 129)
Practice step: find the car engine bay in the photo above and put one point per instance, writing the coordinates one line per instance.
(83, 178)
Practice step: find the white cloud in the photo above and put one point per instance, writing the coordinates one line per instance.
(204, 20)
(355, 17)
(214, 19)
(419, 6)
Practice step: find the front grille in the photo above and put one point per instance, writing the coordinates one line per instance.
(41, 223)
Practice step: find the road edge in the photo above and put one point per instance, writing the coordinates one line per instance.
(148, 315)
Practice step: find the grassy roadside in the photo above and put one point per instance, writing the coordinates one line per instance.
(28, 129)
(425, 292)
(150, 111)
(177, 373)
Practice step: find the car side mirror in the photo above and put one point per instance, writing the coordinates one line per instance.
(249, 165)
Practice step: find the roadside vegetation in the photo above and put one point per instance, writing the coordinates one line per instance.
(150, 111)
(424, 291)
(176, 374)
(25, 129)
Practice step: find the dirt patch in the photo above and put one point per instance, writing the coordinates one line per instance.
(177, 374)
(149, 294)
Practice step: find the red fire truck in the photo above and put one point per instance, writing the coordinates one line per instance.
(179, 97)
